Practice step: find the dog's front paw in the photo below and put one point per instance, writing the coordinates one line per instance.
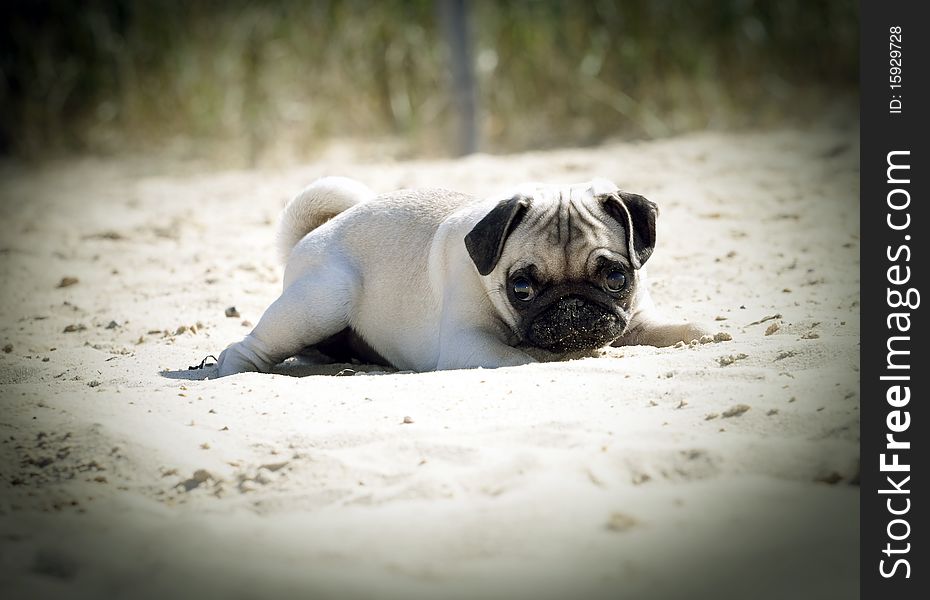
(662, 334)
(684, 332)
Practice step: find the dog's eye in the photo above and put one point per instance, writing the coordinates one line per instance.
(615, 281)
(523, 289)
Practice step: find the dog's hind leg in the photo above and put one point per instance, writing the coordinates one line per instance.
(310, 310)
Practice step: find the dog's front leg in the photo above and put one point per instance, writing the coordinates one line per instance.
(655, 331)
(310, 310)
(648, 327)
(472, 348)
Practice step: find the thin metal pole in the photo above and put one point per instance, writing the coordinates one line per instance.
(456, 29)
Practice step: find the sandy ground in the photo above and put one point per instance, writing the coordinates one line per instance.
(724, 470)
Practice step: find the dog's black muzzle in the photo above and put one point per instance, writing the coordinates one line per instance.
(574, 323)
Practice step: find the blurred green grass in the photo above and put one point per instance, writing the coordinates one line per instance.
(280, 79)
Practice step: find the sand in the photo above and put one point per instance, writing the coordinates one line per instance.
(725, 469)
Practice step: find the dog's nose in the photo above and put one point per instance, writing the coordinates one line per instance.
(572, 302)
(573, 323)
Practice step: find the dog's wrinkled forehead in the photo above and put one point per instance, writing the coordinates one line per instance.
(573, 223)
(569, 228)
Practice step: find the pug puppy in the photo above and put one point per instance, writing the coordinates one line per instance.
(435, 279)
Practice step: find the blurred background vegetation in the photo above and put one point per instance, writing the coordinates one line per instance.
(279, 80)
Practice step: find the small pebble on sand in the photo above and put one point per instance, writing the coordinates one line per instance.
(201, 475)
(67, 282)
(618, 521)
(265, 476)
(232, 313)
(735, 411)
(730, 359)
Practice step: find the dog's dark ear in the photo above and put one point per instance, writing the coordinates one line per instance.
(638, 218)
(485, 243)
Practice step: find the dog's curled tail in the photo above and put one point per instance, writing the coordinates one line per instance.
(317, 203)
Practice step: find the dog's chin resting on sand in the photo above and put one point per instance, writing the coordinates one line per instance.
(435, 279)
